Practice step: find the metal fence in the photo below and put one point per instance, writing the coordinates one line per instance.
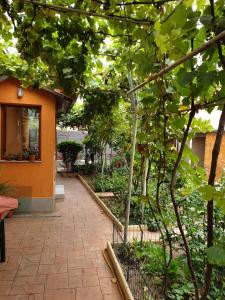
(138, 233)
(139, 282)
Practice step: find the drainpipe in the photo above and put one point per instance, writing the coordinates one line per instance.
(134, 102)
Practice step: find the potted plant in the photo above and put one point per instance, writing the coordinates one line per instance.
(20, 156)
(117, 161)
(32, 156)
(140, 148)
(7, 157)
(25, 154)
(33, 153)
(10, 157)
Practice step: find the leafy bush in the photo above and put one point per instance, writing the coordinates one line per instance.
(118, 161)
(120, 179)
(69, 150)
(149, 258)
(152, 225)
(103, 183)
(115, 182)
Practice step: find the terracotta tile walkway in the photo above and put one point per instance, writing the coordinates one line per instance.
(59, 258)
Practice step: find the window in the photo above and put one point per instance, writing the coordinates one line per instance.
(20, 133)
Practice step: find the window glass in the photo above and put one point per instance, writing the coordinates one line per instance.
(21, 133)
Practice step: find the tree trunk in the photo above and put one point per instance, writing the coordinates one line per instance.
(144, 186)
(133, 143)
(211, 181)
(103, 159)
(175, 205)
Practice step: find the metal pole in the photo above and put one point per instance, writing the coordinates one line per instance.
(134, 102)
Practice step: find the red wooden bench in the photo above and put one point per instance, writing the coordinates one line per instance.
(6, 206)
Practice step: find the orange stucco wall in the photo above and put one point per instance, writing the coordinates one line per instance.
(209, 143)
(37, 177)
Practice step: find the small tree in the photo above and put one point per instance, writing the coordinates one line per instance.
(69, 150)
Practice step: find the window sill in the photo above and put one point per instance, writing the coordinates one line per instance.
(20, 161)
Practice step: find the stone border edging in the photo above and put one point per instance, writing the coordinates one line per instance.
(117, 223)
(137, 227)
(119, 273)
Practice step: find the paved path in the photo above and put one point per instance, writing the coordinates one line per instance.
(59, 258)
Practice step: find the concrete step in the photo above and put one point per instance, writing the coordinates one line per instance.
(59, 191)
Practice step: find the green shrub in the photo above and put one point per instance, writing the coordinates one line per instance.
(152, 225)
(120, 180)
(103, 183)
(150, 258)
(69, 150)
(115, 182)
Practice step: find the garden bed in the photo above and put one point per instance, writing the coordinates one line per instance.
(119, 273)
(141, 285)
(143, 268)
(115, 207)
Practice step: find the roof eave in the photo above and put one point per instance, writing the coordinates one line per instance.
(64, 102)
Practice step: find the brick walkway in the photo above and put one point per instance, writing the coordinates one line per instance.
(59, 258)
